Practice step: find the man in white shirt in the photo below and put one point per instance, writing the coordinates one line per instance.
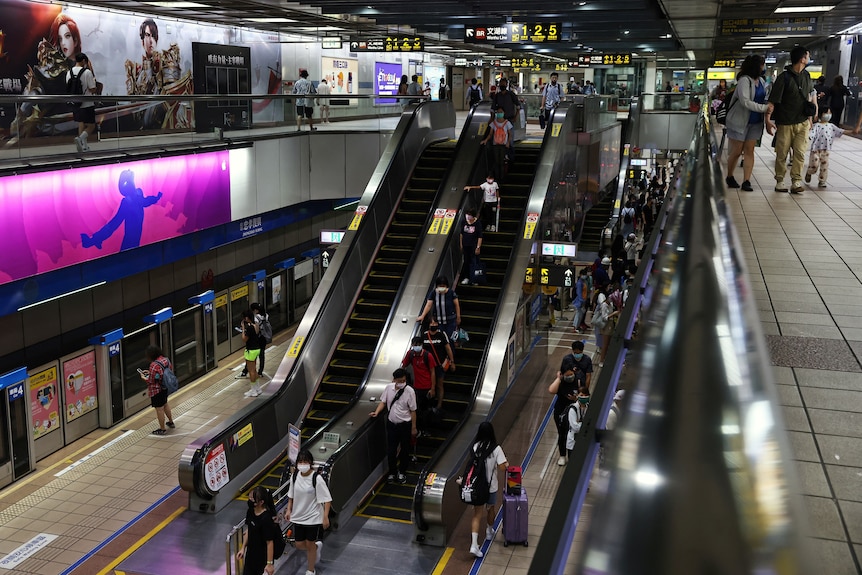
(304, 106)
(323, 89)
(400, 399)
(85, 114)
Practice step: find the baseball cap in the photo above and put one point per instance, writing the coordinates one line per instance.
(606, 261)
(632, 236)
(618, 396)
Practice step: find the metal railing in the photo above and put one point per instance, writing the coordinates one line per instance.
(699, 470)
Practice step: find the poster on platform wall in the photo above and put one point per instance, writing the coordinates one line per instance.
(79, 385)
(432, 76)
(56, 219)
(387, 77)
(44, 402)
(342, 75)
(129, 54)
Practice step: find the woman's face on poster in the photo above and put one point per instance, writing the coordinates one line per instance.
(67, 41)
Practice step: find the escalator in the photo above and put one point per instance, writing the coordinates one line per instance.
(394, 501)
(595, 221)
(354, 352)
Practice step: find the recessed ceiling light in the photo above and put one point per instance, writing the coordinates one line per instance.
(581, 3)
(180, 4)
(269, 20)
(626, 32)
(802, 9)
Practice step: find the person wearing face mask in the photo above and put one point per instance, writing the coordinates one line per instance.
(823, 133)
(551, 96)
(442, 303)
(308, 505)
(424, 368)
(581, 360)
(436, 342)
(400, 401)
(258, 545)
(500, 134)
(575, 415)
(565, 388)
(471, 243)
(795, 104)
(490, 201)
(745, 119)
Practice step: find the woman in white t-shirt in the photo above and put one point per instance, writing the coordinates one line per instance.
(490, 202)
(486, 442)
(308, 507)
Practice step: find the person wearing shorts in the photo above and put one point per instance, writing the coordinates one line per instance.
(308, 505)
(85, 114)
(304, 106)
(155, 390)
(251, 337)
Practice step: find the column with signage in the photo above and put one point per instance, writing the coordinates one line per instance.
(109, 375)
(16, 442)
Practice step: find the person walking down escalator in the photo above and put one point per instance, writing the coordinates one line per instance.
(471, 243)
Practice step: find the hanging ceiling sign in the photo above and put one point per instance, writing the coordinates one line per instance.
(616, 59)
(532, 33)
(331, 43)
(767, 26)
(388, 44)
(587, 60)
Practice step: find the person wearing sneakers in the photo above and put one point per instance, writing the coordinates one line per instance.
(486, 442)
(157, 392)
(795, 104)
(565, 387)
(745, 118)
(822, 135)
(251, 337)
(85, 114)
(399, 399)
(308, 505)
(470, 241)
(490, 201)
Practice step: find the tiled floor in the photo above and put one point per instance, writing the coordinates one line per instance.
(804, 254)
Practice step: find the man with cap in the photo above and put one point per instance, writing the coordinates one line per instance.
(601, 279)
(614, 414)
(632, 247)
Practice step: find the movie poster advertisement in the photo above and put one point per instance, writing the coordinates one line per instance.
(56, 219)
(128, 54)
(79, 391)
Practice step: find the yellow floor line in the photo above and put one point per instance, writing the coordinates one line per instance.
(137, 545)
(441, 565)
(380, 518)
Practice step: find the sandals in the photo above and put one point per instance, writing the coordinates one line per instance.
(171, 424)
(159, 431)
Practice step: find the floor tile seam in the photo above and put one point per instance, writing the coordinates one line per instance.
(825, 471)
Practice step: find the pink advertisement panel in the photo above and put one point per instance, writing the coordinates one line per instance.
(44, 402)
(56, 219)
(79, 385)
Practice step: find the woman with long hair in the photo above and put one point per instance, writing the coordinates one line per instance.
(485, 445)
(66, 37)
(402, 90)
(837, 92)
(261, 529)
(745, 118)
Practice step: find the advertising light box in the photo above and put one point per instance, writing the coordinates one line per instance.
(66, 217)
(387, 76)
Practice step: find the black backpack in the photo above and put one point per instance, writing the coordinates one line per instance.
(74, 86)
(474, 96)
(627, 217)
(475, 487)
(725, 106)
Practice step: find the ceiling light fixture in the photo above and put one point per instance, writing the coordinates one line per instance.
(802, 9)
(269, 20)
(690, 55)
(626, 32)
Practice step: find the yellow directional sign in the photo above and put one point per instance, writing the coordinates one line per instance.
(528, 277)
(544, 280)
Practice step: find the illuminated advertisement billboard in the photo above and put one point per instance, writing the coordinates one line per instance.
(57, 219)
(387, 76)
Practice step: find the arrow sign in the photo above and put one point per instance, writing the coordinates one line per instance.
(469, 32)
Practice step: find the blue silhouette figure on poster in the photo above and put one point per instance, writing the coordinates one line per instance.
(130, 212)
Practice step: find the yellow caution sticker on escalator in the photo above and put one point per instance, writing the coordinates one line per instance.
(293, 350)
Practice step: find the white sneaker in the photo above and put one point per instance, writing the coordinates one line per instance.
(255, 391)
(79, 144)
(561, 461)
(248, 393)
(319, 545)
(465, 281)
(489, 533)
(476, 551)
(309, 572)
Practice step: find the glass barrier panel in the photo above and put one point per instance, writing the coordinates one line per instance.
(189, 357)
(135, 357)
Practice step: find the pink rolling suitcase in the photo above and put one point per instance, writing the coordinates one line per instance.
(515, 517)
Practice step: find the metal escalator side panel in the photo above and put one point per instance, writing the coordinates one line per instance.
(299, 371)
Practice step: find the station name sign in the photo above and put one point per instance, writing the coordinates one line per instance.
(401, 43)
(532, 33)
(766, 26)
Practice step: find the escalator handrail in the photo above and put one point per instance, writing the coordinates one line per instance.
(192, 460)
(625, 162)
(419, 493)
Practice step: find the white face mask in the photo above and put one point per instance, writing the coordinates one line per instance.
(490, 180)
(417, 348)
(442, 289)
(400, 385)
(303, 467)
(827, 117)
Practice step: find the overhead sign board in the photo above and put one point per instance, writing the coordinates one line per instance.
(766, 26)
(328, 237)
(402, 43)
(587, 60)
(724, 63)
(530, 33)
(331, 43)
(621, 59)
(559, 250)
